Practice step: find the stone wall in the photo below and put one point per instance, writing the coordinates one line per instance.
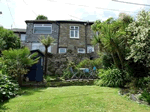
(58, 62)
(31, 37)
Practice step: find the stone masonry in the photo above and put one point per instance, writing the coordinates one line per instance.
(58, 62)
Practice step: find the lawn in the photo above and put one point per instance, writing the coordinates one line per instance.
(72, 99)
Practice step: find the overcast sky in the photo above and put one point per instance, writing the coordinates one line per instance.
(87, 10)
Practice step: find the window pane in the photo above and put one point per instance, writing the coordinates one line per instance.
(72, 33)
(47, 25)
(35, 46)
(72, 27)
(37, 24)
(41, 48)
(23, 37)
(62, 50)
(76, 33)
(49, 49)
(76, 28)
(41, 30)
(90, 49)
(81, 50)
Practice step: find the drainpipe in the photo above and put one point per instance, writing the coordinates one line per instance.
(86, 27)
(58, 36)
(85, 38)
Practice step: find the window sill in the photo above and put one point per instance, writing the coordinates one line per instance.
(74, 38)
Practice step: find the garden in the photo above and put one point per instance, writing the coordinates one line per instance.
(121, 82)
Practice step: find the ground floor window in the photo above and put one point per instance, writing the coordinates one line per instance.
(39, 46)
(81, 50)
(62, 50)
(90, 49)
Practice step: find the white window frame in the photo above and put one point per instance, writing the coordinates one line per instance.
(43, 25)
(81, 52)
(63, 52)
(74, 31)
(90, 46)
(38, 47)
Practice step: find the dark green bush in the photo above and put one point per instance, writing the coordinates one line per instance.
(111, 78)
(107, 61)
(87, 63)
(8, 88)
(146, 96)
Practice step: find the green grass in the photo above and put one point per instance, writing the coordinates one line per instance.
(72, 99)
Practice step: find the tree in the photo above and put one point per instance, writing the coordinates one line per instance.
(111, 38)
(46, 42)
(41, 17)
(139, 39)
(8, 40)
(17, 61)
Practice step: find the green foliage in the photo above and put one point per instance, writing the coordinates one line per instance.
(16, 62)
(8, 40)
(46, 41)
(146, 96)
(111, 78)
(8, 88)
(41, 17)
(107, 61)
(87, 63)
(138, 38)
(67, 73)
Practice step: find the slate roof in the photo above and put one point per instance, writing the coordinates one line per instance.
(58, 21)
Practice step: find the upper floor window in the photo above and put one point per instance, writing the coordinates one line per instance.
(74, 32)
(42, 28)
(62, 50)
(81, 50)
(90, 49)
(40, 46)
(23, 37)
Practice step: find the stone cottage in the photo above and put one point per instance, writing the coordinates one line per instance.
(72, 41)
(68, 34)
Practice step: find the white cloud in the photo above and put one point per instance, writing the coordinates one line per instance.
(61, 10)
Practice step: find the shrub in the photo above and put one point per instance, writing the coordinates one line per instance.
(107, 61)
(87, 63)
(146, 96)
(17, 62)
(8, 88)
(111, 78)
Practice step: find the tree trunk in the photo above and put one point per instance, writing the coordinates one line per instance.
(114, 59)
(118, 53)
(46, 50)
(20, 80)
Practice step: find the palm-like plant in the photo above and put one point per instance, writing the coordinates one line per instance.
(17, 62)
(110, 38)
(46, 41)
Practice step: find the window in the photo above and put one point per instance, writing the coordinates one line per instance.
(74, 32)
(90, 49)
(23, 37)
(42, 28)
(39, 46)
(81, 50)
(62, 50)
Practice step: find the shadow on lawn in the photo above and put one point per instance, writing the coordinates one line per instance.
(2, 107)
(31, 90)
(25, 91)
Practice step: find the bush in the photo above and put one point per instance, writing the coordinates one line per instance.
(8, 88)
(87, 63)
(17, 61)
(111, 78)
(146, 96)
(107, 61)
